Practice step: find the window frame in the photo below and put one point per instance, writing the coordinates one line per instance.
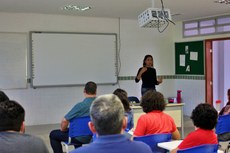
(199, 27)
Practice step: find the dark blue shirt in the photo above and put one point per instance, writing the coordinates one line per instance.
(114, 144)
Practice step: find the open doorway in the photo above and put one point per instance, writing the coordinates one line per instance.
(217, 53)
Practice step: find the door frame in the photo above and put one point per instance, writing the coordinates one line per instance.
(209, 68)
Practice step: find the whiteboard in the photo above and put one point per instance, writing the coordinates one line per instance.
(13, 60)
(62, 59)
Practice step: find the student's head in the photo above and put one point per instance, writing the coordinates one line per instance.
(90, 88)
(122, 95)
(107, 115)
(3, 96)
(12, 116)
(228, 95)
(204, 116)
(152, 100)
(148, 60)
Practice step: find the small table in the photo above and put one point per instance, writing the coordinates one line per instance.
(173, 144)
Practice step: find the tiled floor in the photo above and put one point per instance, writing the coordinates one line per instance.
(43, 131)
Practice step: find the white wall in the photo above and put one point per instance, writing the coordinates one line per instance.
(49, 105)
(136, 42)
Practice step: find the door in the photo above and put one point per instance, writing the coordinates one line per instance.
(209, 69)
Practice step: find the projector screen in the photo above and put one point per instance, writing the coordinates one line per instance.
(68, 59)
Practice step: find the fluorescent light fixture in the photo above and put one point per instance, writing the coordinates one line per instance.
(222, 1)
(76, 8)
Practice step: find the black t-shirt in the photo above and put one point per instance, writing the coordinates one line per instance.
(149, 78)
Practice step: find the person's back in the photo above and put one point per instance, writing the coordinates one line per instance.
(80, 109)
(226, 110)
(155, 121)
(114, 144)
(204, 118)
(109, 122)
(15, 142)
(12, 137)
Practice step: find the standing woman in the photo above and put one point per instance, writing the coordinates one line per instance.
(148, 75)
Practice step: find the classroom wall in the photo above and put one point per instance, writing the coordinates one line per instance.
(136, 42)
(48, 105)
(193, 91)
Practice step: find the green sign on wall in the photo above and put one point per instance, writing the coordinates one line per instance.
(190, 58)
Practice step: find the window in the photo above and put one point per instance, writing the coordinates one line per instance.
(209, 26)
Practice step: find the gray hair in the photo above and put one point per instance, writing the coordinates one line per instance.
(107, 114)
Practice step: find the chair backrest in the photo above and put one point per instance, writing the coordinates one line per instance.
(223, 124)
(79, 127)
(153, 139)
(208, 148)
(133, 98)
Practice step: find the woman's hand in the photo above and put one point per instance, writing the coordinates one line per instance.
(141, 72)
(159, 80)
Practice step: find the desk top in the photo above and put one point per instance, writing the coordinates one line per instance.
(168, 105)
(173, 144)
(169, 145)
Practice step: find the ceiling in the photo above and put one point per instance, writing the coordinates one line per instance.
(128, 9)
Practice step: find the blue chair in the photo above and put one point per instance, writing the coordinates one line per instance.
(153, 139)
(133, 99)
(208, 148)
(223, 127)
(77, 127)
(223, 124)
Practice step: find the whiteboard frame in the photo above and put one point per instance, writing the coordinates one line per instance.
(72, 84)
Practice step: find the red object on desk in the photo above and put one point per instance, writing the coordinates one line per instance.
(178, 98)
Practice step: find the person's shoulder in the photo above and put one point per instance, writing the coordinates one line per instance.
(152, 68)
(38, 143)
(193, 134)
(140, 146)
(32, 138)
(140, 68)
(167, 115)
(83, 149)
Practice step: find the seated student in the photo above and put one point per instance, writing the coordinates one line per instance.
(155, 120)
(12, 127)
(224, 111)
(204, 117)
(109, 122)
(80, 109)
(123, 96)
(3, 96)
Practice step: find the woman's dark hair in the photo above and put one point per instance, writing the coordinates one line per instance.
(152, 100)
(3, 96)
(204, 116)
(146, 56)
(123, 96)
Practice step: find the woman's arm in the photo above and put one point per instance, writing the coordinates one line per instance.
(176, 135)
(139, 73)
(174, 150)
